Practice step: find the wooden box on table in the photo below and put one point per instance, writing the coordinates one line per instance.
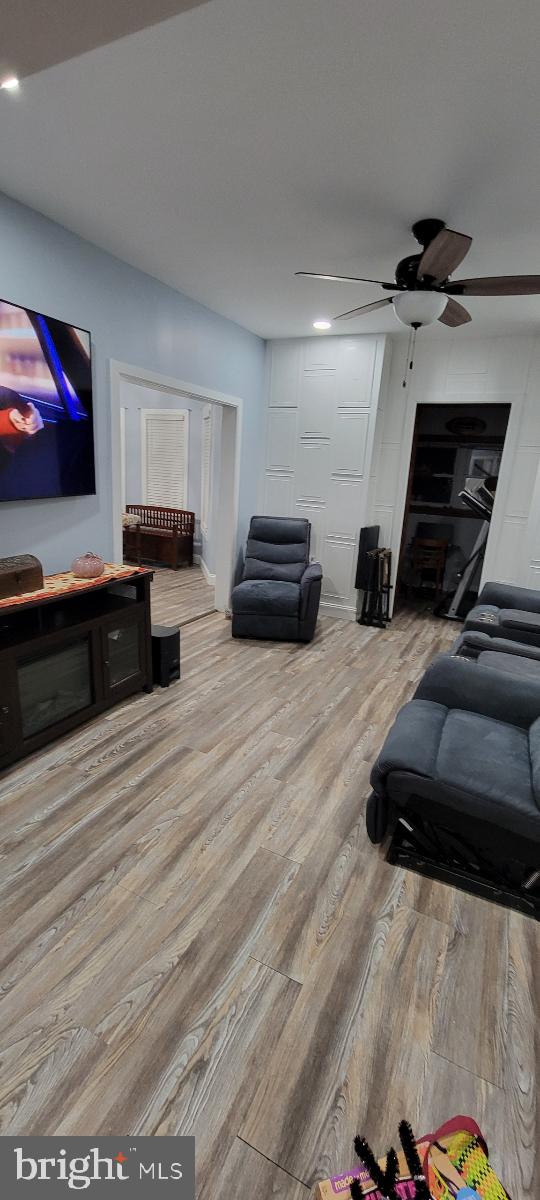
(22, 573)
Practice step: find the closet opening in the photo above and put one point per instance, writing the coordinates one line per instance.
(454, 471)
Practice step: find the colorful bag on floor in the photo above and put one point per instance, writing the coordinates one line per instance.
(460, 1143)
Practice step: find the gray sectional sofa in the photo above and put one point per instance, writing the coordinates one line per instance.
(456, 786)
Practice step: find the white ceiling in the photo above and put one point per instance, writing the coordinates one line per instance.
(244, 139)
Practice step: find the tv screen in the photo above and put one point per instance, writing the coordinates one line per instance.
(46, 417)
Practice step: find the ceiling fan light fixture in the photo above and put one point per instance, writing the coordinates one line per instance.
(322, 324)
(426, 291)
(419, 308)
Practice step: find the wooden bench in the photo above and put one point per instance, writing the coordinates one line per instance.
(160, 535)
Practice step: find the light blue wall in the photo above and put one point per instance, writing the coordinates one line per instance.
(136, 319)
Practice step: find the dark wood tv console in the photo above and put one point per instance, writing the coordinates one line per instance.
(70, 651)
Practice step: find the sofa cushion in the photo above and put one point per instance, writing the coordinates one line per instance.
(280, 530)
(266, 596)
(516, 664)
(290, 572)
(486, 758)
(277, 552)
(507, 595)
(534, 754)
(277, 548)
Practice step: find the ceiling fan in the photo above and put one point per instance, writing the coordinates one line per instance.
(424, 291)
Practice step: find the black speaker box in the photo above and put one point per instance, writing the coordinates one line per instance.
(165, 654)
(369, 540)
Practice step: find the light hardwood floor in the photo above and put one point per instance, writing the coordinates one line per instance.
(198, 938)
(181, 596)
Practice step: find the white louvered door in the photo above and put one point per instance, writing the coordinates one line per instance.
(164, 448)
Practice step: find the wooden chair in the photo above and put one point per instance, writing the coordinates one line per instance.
(429, 554)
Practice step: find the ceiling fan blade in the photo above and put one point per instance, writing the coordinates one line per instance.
(454, 314)
(364, 308)
(342, 278)
(496, 285)
(443, 255)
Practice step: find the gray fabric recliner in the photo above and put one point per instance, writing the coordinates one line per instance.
(278, 596)
(505, 611)
(456, 786)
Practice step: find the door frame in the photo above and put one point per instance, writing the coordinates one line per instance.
(226, 531)
(515, 402)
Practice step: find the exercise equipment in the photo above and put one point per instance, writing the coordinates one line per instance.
(477, 496)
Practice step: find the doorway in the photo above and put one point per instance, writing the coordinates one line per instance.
(176, 396)
(453, 476)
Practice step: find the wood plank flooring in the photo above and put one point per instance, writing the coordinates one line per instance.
(181, 596)
(198, 938)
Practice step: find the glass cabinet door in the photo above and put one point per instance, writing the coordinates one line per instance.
(55, 685)
(123, 658)
(8, 705)
(6, 725)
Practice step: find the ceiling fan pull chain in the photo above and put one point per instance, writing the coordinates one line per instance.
(410, 356)
(404, 383)
(413, 346)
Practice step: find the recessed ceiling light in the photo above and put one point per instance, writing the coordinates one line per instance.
(10, 84)
(322, 324)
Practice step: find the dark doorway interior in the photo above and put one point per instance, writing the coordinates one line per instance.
(457, 448)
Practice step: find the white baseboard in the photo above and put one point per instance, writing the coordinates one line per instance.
(338, 610)
(199, 561)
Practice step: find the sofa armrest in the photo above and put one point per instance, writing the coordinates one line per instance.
(519, 618)
(312, 574)
(520, 649)
(505, 595)
(462, 683)
(472, 643)
(412, 743)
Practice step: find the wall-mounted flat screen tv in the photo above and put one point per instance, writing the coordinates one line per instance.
(46, 417)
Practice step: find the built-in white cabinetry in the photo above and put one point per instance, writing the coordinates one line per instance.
(322, 407)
